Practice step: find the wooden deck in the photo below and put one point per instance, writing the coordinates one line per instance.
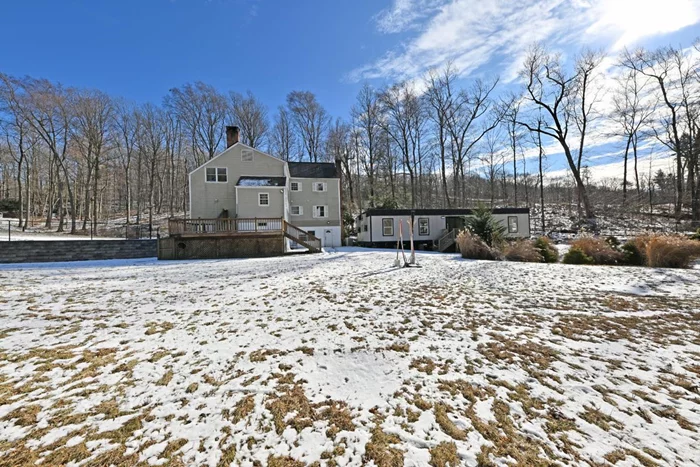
(242, 227)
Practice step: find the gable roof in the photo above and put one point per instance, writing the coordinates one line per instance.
(228, 150)
(313, 170)
(261, 181)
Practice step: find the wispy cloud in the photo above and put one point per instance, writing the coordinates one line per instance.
(406, 14)
(477, 35)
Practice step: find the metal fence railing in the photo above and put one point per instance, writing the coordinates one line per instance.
(10, 230)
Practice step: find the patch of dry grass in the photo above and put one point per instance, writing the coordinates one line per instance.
(444, 455)
(379, 449)
(447, 425)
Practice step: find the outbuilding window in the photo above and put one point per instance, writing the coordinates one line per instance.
(512, 224)
(423, 226)
(388, 227)
(217, 174)
(263, 199)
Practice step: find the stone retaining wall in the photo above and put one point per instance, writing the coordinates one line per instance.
(220, 247)
(75, 250)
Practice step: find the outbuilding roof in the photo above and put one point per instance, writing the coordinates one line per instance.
(438, 212)
(313, 170)
(261, 181)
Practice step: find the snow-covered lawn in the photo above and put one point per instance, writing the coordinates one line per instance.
(339, 359)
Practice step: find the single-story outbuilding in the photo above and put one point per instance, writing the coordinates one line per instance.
(380, 227)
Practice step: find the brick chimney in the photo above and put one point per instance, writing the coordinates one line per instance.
(232, 133)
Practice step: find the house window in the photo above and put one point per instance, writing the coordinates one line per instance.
(320, 211)
(512, 224)
(423, 226)
(365, 228)
(222, 174)
(297, 210)
(319, 186)
(247, 155)
(263, 199)
(217, 174)
(388, 227)
(295, 186)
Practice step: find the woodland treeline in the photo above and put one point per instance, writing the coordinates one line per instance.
(75, 157)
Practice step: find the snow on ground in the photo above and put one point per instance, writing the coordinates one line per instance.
(340, 359)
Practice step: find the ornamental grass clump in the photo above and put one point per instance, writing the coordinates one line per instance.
(523, 251)
(473, 247)
(668, 251)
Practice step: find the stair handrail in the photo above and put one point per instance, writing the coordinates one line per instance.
(447, 240)
(309, 240)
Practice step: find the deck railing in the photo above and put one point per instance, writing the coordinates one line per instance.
(224, 225)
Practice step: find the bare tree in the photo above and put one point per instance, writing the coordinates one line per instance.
(400, 106)
(510, 109)
(441, 103)
(552, 90)
(251, 116)
(151, 146)
(631, 112)
(126, 128)
(339, 148)
(366, 114)
(202, 111)
(310, 120)
(658, 66)
(16, 134)
(48, 108)
(92, 128)
(472, 116)
(283, 143)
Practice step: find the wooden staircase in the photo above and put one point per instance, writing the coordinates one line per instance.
(302, 237)
(447, 240)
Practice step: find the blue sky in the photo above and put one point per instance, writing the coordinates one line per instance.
(138, 49)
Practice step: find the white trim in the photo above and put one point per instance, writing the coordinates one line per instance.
(189, 190)
(260, 201)
(216, 174)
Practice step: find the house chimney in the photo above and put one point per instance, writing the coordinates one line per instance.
(231, 136)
